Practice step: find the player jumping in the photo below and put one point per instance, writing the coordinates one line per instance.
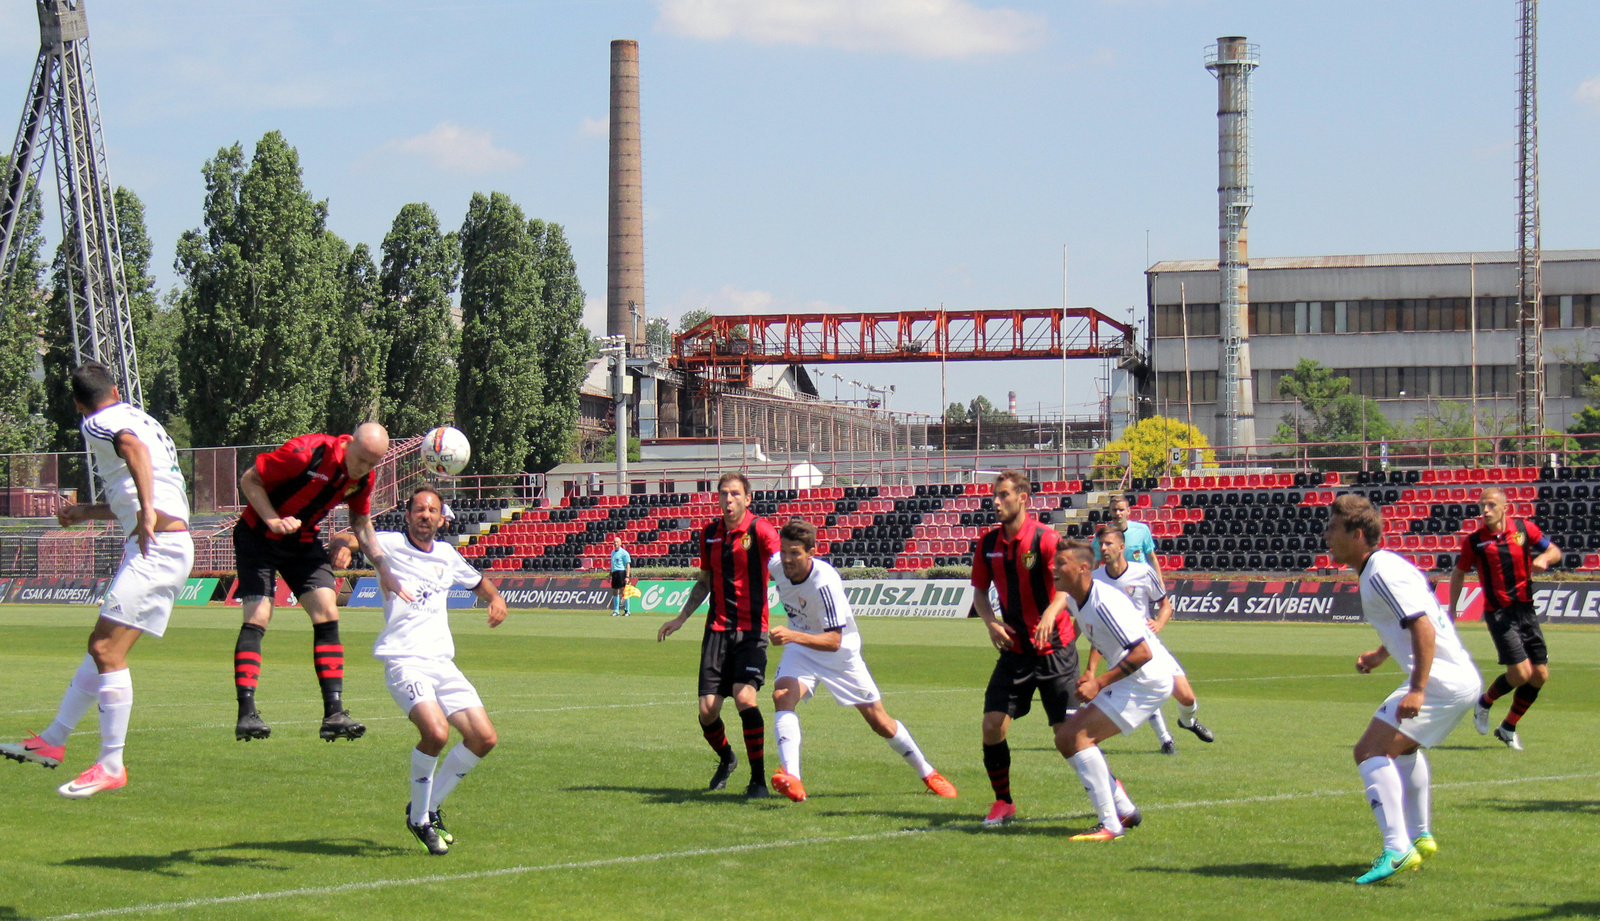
(822, 646)
(143, 487)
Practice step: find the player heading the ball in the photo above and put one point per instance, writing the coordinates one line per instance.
(418, 656)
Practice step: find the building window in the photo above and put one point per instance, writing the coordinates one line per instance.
(1170, 386)
(1204, 320)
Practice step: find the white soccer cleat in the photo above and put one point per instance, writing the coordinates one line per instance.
(1509, 737)
(1480, 718)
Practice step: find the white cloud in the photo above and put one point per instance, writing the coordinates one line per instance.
(1589, 93)
(455, 149)
(594, 128)
(594, 315)
(926, 28)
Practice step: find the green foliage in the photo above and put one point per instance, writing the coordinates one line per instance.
(1150, 443)
(980, 410)
(501, 362)
(609, 449)
(1586, 427)
(23, 427)
(658, 335)
(420, 268)
(258, 352)
(563, 346)
(692, 318)
(1330, 418)
(359, 375)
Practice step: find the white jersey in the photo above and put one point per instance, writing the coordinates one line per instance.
(421, 628)
(1140, 583)
(1395, 593)
(100, 429)
(817, 604)
(1113, 626)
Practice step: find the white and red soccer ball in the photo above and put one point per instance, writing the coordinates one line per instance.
(445, 450)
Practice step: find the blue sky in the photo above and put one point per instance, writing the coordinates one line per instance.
(897, 154)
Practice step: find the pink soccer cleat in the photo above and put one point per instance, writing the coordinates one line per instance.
(1000, 812)
(95, 780)
(34, 749)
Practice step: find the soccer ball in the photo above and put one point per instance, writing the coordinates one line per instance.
(446, 451)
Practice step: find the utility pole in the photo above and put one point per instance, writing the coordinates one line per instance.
(1530, 300)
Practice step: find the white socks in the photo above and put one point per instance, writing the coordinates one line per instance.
(906, 747)
(1159, 724)
(1120, 797)
(422, 766)
(1186, 714)
(456, 765)
(1415, 780)
(82, 693)
(1096, 776)
(116, 704)
(786, 726)
(1386, 796)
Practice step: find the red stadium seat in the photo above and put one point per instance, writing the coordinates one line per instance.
(1591, 561)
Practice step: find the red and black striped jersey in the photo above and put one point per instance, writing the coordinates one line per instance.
(305, 479)
(1019, 570)
(1504, 561)
(736, 561)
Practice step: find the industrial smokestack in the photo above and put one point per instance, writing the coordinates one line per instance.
(625, 254)
(1232, 60)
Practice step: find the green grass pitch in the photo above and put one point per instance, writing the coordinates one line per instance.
(594, 806)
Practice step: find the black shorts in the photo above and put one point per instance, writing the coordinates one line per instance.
(1017, 674)
(303, 565)
(1516, 634)
(730, 657)
(619, 579)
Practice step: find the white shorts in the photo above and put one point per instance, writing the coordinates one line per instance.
(142, 592)
(1130, 702)
(413, 679)
(843, 673)
(1443, 706)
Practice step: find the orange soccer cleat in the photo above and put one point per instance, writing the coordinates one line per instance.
(789, 785)
(1098, 833)
(939, 785)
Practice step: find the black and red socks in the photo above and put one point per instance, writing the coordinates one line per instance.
(247, 666)
(328, 655)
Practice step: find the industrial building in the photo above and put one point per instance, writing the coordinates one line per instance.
(1398, 325)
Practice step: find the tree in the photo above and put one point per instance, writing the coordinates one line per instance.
(955, 414)
(1586, 424)
(501, 367)
(1150, 443)
(692, 318)
(658, 335)
(23, 427)
(263, 295)
(1330, 418)
(563, 346)
(358, 380)
(420, 268)
(982, 411)
(155, 331)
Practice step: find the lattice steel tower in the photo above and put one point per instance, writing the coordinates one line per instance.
(63, 113)
(1530, 295)
(1232, 60)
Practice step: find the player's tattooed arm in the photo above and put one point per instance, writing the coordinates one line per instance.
(367, 537)
(697, 594)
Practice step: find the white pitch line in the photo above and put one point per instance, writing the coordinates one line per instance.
(718, 851)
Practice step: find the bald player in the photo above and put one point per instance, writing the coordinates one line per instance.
(290, 490)
(1507, 552)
